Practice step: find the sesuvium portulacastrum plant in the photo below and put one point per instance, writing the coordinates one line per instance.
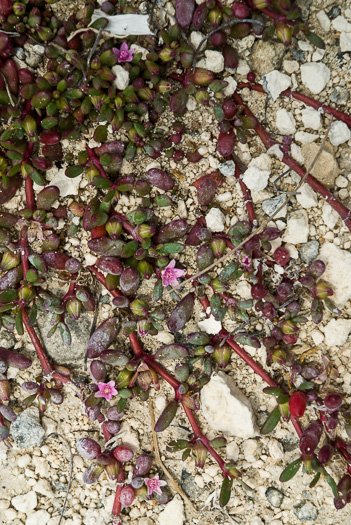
(78, 92)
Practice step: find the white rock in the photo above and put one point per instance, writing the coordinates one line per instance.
(336, 332)
(323, 20)
(220, 397)
(291, 66)
(231, 87)
(255, 178)
(215, 220)
(307, 197)
(317, 337)
(318, 55)
(338, 271)
(25, 502)
(41, 517)
(311, 119)
(165, 337)
(191, 104)
(251, 450)
(138, 49)
(243, 68)
(43, 487)
(305, 138)
(195, 38)
(232, 451)
(329, 216)
(297, 228)
(292, 250)
(224, 197)
(304, 46)
(243, 289)
(275, 82)
(182, 211)
(122, 77)
(276, 450)
(275, 150)
(285, 122)
(210, 325)
(315, 76)
(173, 513)
(345, 42)
(160, 402)
(339, 133)
(296, 153)
(213, 61)
(65, 185)
(341, 24)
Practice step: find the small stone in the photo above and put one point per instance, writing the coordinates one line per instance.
(173, 514)
(326, 168)
(231, 87)
(338, 271)
(275, 82)
(43, 487)
(307, 197)
(274, 496)
(318, 55)
(227, 168)
(41, 517)
(276, 450)
(7, 339)
(309, 251)
(341, 182)
(311, 119)
(160, 402)
(255, 178)
(26, 430)
(305, 138)
(306, 511)
(323, 20)
(337, 331)
(340, 95)
(266, 56)
(182, 211)
(66, 185)
(317, 337)
(224, 197)
(297, 228)
(285, 122)
(315, 76)
(345, 42)
(221, 397)
(196, 38)
(305, 46)
(271, 205)
(25, 502)
(334, 12)
(138, 49)
(188, 484)
(243, 68)
(232, 451)
(122, 77)
(341, 24)
(296, 153)
(291, 66)
(215, 220)
(213, 61)
(251, 450)
(339, 133)
(210, 325)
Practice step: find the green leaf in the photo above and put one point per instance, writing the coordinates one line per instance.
(290, 471)
(315, 40)
(218, 442)
(37, 178)
(271, 421)
(19, 323)
(101, 183)
(216, 307)
(332, 485)
(227, 273)
(8, 296)
(65, 334)
(170, 247)
(273, 391)
(225, 491)
(163, 200)
(186, 454)
(315, 480)
(218, 112)
(73, 171)
(33, 315)
(307, 385)
(172, 351)
(167, 416)
(157, 291)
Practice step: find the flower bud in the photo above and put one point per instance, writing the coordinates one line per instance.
(113, 228)
(73, 307)
(26, 293)
(289, 327)
(284, 33)
(218, 246)
(145, 231)
(123, 378)
(91, 172)
(260, 4)
(112, 469)
(145, 268)
(9, 260)
(322, 290)
(139, 307)
(279, 356)
(221, 355)
(200, 453)
(200, 77)
(215, 16)
(164, 86)
(30, 126)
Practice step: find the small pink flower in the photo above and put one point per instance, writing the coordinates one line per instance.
(106, 390)
(124, 54)
(170, 275)
(245, 260)
(154, 485)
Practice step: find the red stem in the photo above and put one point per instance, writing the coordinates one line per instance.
(30, 201)
(24, 252)
(309, 101)
(37, 344)
(96, 161)
(70, 291)
(117, 507)
(268, 141)
(247, 196)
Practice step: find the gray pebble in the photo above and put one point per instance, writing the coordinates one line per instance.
(227, 168)
(298, 55)
(271, 205)
(306, 511)
(274, 496)
(340, 95)
(26, 430)
(334, 12)
(7, 339)
(309, 251)
(188, 484)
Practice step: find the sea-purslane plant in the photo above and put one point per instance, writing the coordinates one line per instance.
(79, 96)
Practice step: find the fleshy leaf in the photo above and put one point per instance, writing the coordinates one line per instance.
(182, 313)
(226, 489)
(172, 351)
(171, 232)
(47, 197)
(102, 338)
(106, 246)
(272, 421)
(167, 416)
(290, 471)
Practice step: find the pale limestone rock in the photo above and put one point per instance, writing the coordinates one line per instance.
(221, 397)
(326, 168)
(315, 76)
(307, 197)
(275, 82)
(337, 331)
(25, 502)
(339, 133)
(122, 77)
(173, 514)
(215, 220)
(338, 271)
(210, 325)
(297, 228)
(285, 122)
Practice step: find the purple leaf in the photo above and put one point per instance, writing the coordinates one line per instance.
(98, 371)
(129, 281)
(181, 313)
(116, 146)
(204, 257)
(92, 216)
(47, 197)
(102, 338)
(11, 278)
(167, 416)
(109, 265)
(198, 234)
(7, 220)
(14, 359)
(106, 246)
(171, 232)
(206, 192)
(200, 16)
(178, 102)
(225, 143)
(172, 351)
(73, 265)
(184, 12)
(88, 448)
(56, 260)
(7, 193)
(160, 179)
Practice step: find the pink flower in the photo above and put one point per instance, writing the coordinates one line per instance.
(170, 274)
(124, 54)
(154, 485)
(245, 260)
(106, 390)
